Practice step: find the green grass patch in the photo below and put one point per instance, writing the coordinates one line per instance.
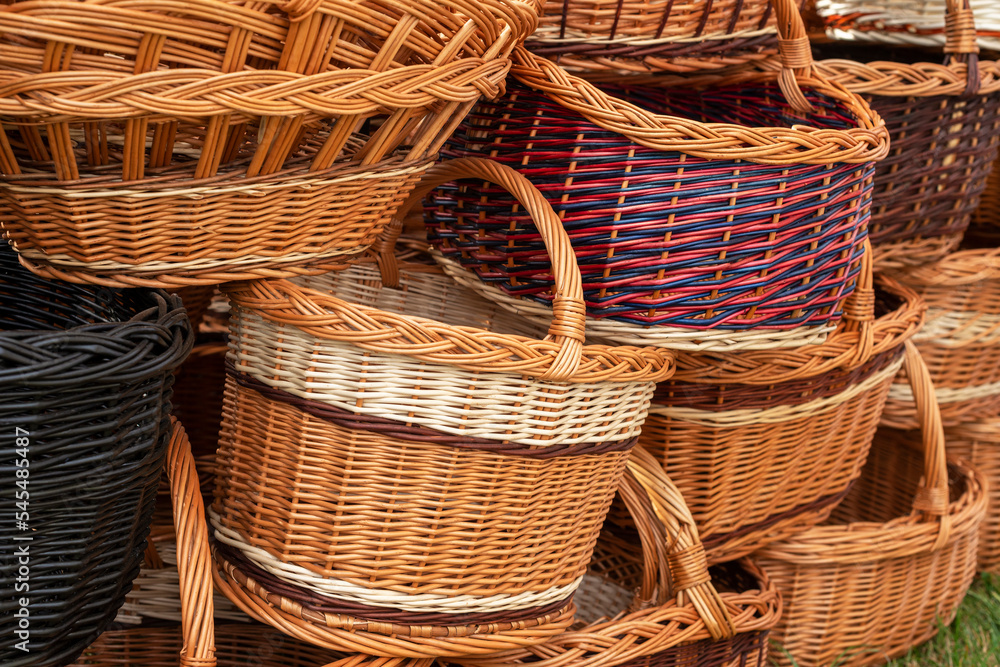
(972, 640)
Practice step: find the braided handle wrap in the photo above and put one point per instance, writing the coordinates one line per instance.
(685, 556)
(194, 563)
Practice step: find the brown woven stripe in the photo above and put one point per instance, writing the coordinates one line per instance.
(327, 605)
(389, 427)
(721, 397)
(713, 541)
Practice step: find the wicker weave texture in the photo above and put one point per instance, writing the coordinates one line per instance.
(655, 36)
(978, 443)
(649, 598)
(960, 342)
(894, 560)
(905, 22)
(85, 380)
(229, 141)
(197, 400)
(774, 464)
(765, 249)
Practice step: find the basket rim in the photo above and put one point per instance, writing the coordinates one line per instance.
(843, 349)
(800, 144)
(327, 317)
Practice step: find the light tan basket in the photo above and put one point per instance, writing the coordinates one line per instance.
(978, 443)
(894, 560)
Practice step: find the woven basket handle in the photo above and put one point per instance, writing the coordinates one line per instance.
(194, 563)
(568, 310)
(931, 498)
(960, 41)
(859, 311)
(685, 556)
(795, 53)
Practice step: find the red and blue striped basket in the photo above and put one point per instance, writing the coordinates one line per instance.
(708, 219)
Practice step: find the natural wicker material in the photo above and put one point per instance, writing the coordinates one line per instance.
(894, 560)
(905, 22)
(165, 145)
(414, 462)
(196, 302)
(765, 446)
(85, 382)
(985, 227)
(649, 599)
(960, 342)
(692, 234)
(978, 444)
(945, 125)
(236, 645)
(640, 35)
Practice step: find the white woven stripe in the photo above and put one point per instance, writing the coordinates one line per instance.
(903, 392)
(778, 413)
(494, 406)
(945, 328)
(246, 261)
(673, 338)
(426, 602)
(920, 14)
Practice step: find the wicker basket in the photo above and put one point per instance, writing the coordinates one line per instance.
(944, 120)
(85, 383)
(649, 598)
(170, 145)
(960, 342)
(978, 443)
(198, 390)
(906, 22)
(895, 559)
(691, 234)
(766, 446)
(645, 36)
(438, 481)
(985, 227)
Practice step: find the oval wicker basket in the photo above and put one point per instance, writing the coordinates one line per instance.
(651, 36)
(702, 234)
(944, 120)
(85, 383)
(460, 474)
(906, 22)
(978, 444)
(893, 562)
(761, 455)
(649, 597)
(171, 144)
(960, 342)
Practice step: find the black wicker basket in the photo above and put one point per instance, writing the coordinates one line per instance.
(85, 381)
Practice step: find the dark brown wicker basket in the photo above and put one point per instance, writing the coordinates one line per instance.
(85, 383)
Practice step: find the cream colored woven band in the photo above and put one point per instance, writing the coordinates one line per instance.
(903, 392)
(779, 413)
(673, 338)
(442, 603)
(945, 328)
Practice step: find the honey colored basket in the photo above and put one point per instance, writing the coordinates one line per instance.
(166, 144)
(770, 443)
(197, 641)
(438, 482)
(895, 559)
(960, 342)
(764, 445)
(649, 598)
(650, 36)
(978, 444)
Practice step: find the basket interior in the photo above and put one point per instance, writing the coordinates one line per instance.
(889, 481)
(424, 292)
(28, 302)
